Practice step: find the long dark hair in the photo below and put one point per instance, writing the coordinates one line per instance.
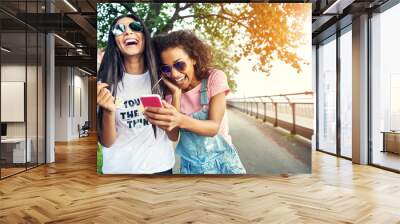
(112, 70)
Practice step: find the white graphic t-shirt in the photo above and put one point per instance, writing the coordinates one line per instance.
(136, 150)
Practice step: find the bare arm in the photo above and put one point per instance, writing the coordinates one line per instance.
(211, 126)
(106, 101)
(173, 134)
(109, 132)
(171, 119)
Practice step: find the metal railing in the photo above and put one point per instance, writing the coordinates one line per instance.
(293, 112)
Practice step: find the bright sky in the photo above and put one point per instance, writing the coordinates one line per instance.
(283, 78)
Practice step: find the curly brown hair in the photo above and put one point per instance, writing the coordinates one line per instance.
(191, 44)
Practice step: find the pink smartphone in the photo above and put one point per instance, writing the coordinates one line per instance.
(152, 100)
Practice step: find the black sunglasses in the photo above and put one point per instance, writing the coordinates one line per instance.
(167, 69)
(119, 29)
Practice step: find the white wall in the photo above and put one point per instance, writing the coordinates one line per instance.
(314, 89)
(71, 94)
(17, 72)
(80, 110)
(33, 127)
(61, 104)
(14, 73)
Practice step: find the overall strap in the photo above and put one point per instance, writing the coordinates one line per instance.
(203, 92)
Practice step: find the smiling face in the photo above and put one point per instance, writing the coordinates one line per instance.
(183, 76)
(130, 43)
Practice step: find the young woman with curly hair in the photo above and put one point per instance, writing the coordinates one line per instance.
(200, 120)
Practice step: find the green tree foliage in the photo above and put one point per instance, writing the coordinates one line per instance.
(263, 32)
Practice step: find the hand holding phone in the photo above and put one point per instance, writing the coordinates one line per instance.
(153, 100)
(166, 117)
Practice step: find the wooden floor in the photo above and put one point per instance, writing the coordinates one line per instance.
(10, 171)
(70, 191)
(5, 172)
(387, 159)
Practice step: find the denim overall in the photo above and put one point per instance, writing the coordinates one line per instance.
(207, 155)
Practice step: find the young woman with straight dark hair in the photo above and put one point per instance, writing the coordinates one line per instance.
(130, 144)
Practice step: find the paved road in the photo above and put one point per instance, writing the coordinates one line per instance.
(264, 149)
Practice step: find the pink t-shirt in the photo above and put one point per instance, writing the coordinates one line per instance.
(190, 100)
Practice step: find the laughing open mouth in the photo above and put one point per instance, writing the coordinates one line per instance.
(129, 42)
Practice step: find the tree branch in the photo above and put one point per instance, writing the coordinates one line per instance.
(224, 10)
(213, 15)
(156, 7)
(154, 10)
(176, 13)
(127, 7)
(188, 5)
(173, 18)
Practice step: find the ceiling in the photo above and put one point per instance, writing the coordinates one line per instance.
(75, 22)
(75, 43)
(332, 15)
